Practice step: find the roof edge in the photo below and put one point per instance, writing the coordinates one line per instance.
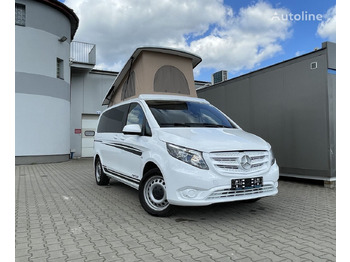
(321, 49)
(173, 51)
(69, 13)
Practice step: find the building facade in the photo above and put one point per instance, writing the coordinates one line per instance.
(88, 89)
(43, 31)
(58, 93)
(292, 106)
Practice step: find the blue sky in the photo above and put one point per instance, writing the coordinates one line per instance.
(235, 35)
(304, 37)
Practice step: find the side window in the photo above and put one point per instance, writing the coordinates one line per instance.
(135, 115)
(112, 120)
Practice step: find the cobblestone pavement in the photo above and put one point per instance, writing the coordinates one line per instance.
(62, 215)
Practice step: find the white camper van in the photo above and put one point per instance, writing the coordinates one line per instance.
(180, 150)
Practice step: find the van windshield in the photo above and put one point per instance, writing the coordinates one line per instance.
(187, 114)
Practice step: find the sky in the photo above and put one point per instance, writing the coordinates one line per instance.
(239, 36)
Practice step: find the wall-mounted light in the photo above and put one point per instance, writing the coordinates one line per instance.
(62, 39)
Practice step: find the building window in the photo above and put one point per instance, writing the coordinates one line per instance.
(313, 65)
(20, 14)
(60, 68)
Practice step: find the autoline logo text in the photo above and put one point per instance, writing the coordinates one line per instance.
(303, 16)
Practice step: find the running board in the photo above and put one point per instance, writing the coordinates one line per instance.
(122, 180)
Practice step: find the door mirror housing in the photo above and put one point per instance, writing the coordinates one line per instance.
(132, 129)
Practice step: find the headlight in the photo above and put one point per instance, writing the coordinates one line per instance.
(272, 157)
(187, 155)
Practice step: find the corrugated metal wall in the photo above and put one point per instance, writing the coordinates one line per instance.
(292, 107)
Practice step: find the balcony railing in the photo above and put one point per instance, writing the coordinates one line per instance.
(83, 53)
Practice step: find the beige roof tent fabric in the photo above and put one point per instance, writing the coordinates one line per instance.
(153, 70)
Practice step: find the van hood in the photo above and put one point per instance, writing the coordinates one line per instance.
(212, 139)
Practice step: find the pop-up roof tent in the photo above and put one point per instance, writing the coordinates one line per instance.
(153, 70)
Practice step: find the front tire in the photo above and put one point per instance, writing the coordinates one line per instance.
(152, 194)
(100, 176)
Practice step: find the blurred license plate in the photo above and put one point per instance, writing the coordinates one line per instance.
(246, 183)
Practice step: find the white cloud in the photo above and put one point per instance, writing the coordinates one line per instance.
(247, 39)
(327, 28)
(224, 39)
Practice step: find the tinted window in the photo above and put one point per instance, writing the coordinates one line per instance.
(135, 115)
(177, 114)
(112, 120)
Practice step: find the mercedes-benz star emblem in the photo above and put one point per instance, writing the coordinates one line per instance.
(246, 162)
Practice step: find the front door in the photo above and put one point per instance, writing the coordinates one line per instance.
(133, 146)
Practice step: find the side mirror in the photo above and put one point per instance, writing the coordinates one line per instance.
(132, 130)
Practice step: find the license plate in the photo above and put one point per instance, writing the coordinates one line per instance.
(246, 183)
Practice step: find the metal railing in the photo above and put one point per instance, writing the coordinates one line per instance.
(81, 52)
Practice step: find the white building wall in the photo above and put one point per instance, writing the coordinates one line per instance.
(37, 52)
(42, 99)
(41, 125)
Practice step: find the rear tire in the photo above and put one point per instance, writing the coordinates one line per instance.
(100, 176)
(152, 194)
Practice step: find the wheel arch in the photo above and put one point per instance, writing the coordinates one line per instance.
(148, 166)
(96, 157)
(152, 192)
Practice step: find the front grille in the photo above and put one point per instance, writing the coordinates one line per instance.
(224, 193)
(230, 162)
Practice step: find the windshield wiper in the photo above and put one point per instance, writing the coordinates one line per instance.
(213, 125)
(193, 125)
(174, 124)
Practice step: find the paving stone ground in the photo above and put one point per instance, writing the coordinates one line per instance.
(62, 215)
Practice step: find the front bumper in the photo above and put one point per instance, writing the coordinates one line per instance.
(191, 186)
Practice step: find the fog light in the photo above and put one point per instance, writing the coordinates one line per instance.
(189, 193)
